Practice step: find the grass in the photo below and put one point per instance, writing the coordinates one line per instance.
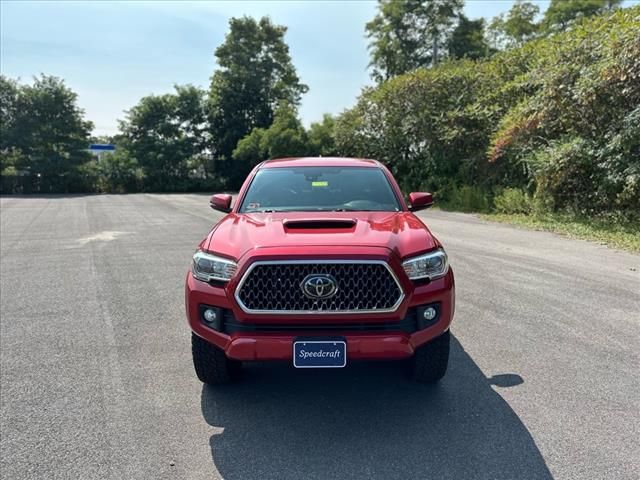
(625, 236)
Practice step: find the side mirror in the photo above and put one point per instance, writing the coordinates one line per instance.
(420, 201)
(220, 202)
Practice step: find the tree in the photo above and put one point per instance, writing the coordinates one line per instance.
(517, 27)
(115, 172)
(408, 34)
(256, 74)
(164, 133)
(9, 154)
(322, 139)
(43, 131)
(557, 118)
(9, 93)
(468, 40)
(286, 137)
(562, 12)
(250, 151)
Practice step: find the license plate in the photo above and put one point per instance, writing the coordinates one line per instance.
(319, 353)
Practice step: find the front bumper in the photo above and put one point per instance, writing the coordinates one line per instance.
(383, 342)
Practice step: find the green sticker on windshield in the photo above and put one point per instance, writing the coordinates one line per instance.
(319, 184)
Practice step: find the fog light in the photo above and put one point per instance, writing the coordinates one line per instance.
(210, 315)
(428, 313)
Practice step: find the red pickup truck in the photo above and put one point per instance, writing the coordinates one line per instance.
(319, 262)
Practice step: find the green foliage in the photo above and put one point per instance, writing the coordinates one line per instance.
(322, 140)
(115, 172)
(255, 74)
(561, 13)
(249, 151)
(407, 34)
(576, 134)
(464, 199)
(468, 40)
(620, 160)
(513, 200)
(557, 116)
(431, 126)
(9, 158)
(286, 137)
(517, 26)
(164, 133)
(43, 131)
(9, 99)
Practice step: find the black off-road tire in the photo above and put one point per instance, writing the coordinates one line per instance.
(429, 363)
(212, 366)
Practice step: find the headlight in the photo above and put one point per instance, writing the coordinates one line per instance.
(430, 265)
(207, 267)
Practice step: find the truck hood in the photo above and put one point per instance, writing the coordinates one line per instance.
(402, 233)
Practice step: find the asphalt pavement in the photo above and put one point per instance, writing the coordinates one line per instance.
(96, 378)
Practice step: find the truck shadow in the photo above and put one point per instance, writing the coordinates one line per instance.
(368, 421)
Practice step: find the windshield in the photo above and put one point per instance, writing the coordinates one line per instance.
(319, 189)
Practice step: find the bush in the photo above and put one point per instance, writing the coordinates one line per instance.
(115, 172)
(576, 135)
(465, 199)
(558, 116)
(513, 200)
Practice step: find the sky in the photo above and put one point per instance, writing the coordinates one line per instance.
(114, 53)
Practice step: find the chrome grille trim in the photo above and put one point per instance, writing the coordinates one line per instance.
(246, 274)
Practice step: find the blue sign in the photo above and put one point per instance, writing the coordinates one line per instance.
(102, 147)
(319, 353)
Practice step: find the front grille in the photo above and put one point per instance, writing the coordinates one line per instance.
(362, 287)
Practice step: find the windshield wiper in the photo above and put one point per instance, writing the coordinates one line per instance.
(353, 210)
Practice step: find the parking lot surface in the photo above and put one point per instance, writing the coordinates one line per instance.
(96, 378)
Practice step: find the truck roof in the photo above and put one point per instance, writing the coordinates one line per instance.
(320, 162)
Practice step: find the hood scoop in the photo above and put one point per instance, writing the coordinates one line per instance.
(319, 224)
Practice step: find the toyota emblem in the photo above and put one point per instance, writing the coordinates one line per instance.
(319, 286)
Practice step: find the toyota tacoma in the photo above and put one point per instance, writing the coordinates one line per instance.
(319, 262)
